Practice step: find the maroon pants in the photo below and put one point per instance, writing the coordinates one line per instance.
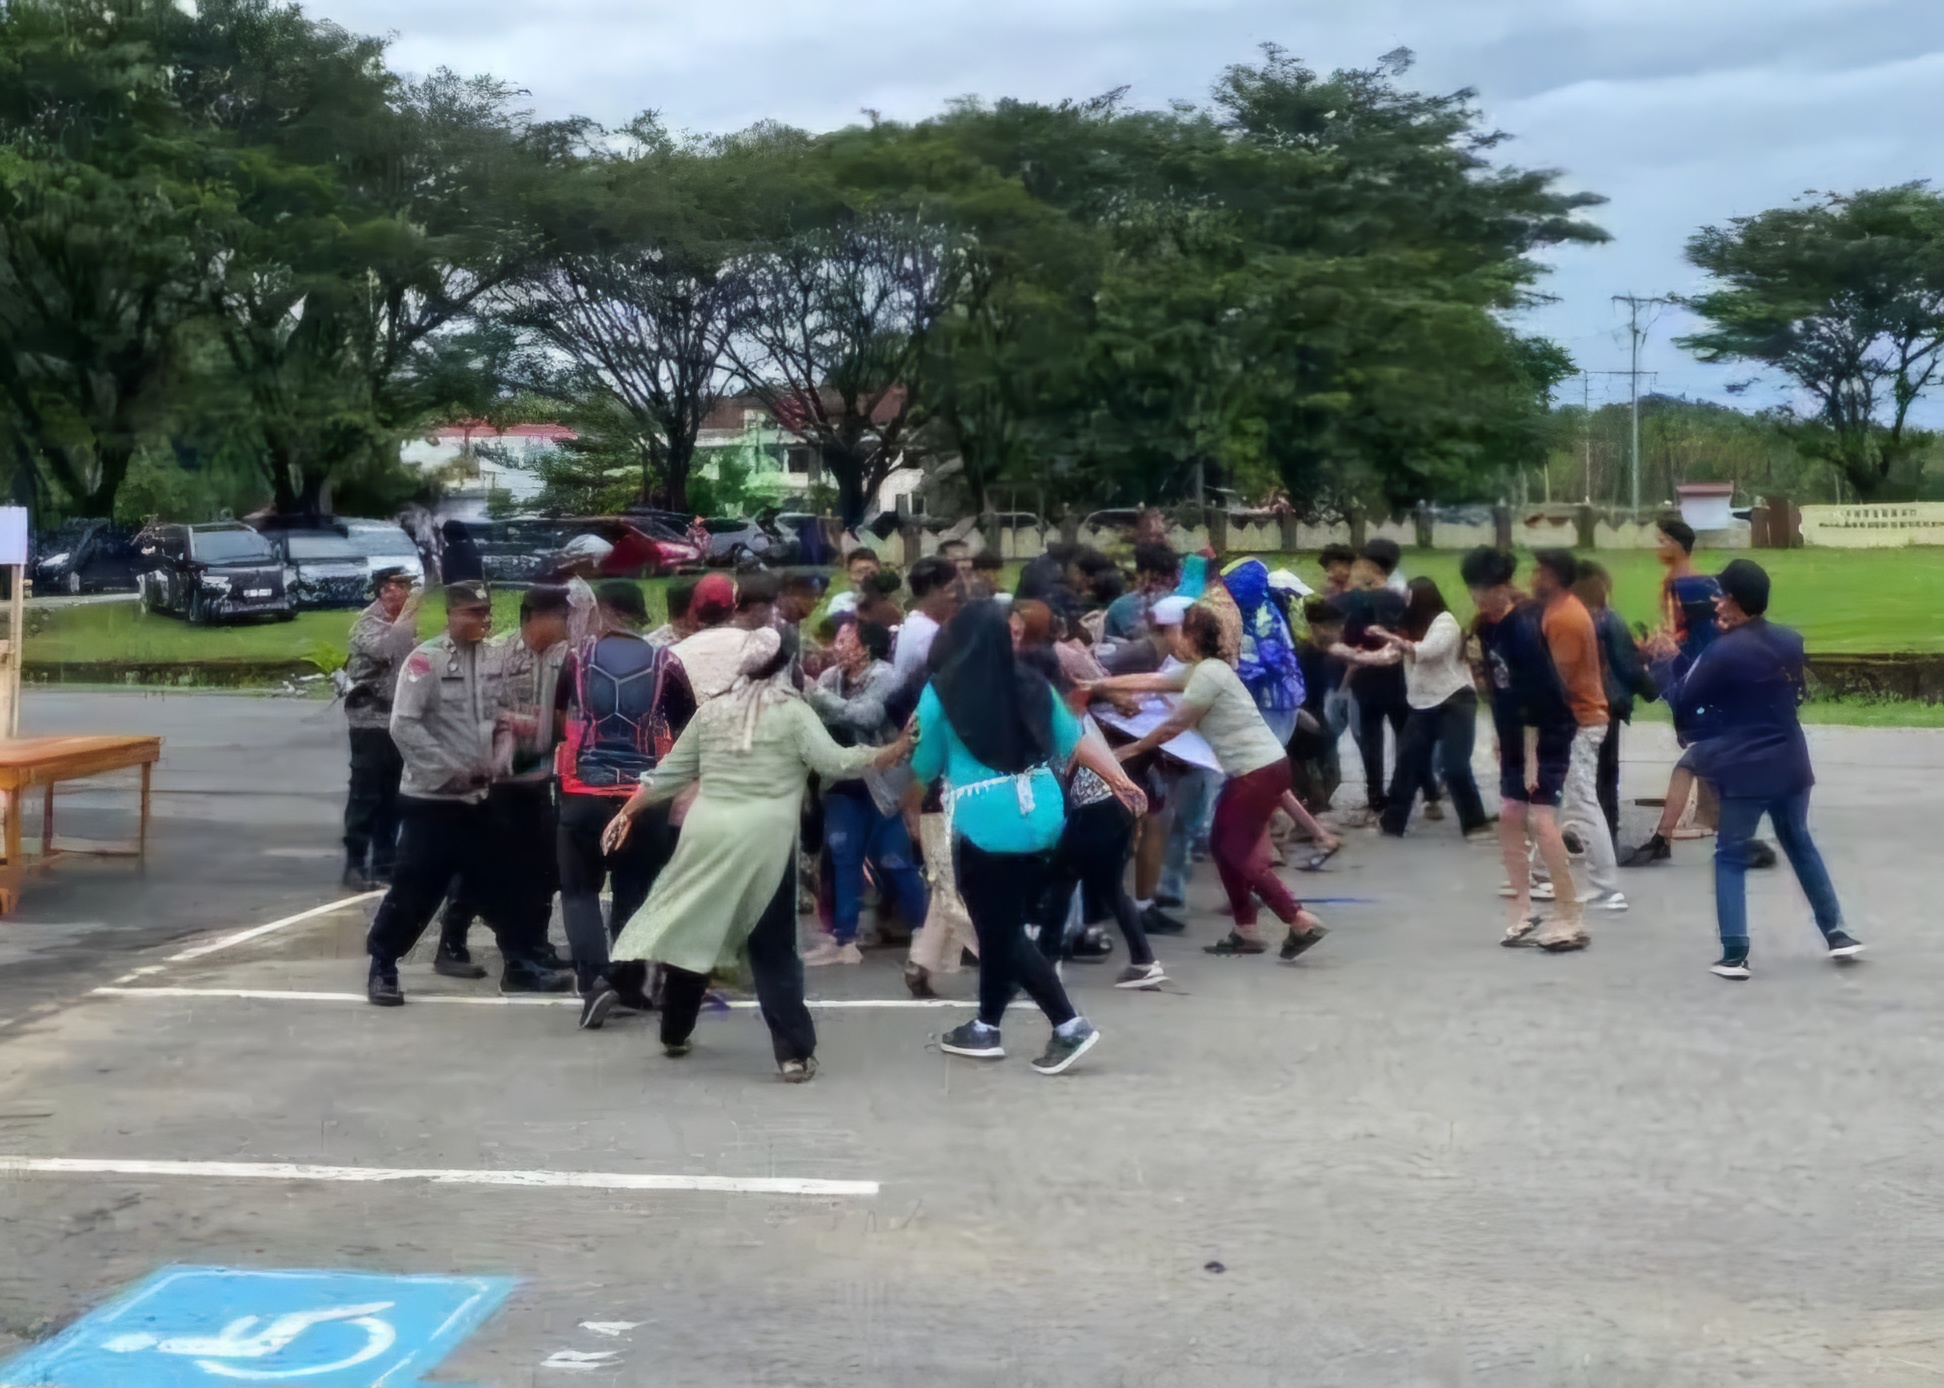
(1239, 843)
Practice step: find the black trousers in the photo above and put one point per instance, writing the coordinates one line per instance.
(999, 890)
(1446, 733)
(1313, 766)
(520, 820)
(1381, 703)
(440, 842)
(630, 873)
(778, 969)
(1609, 777)
(1092, 854)
(371, 806)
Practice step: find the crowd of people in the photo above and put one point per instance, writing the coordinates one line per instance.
(994, 778)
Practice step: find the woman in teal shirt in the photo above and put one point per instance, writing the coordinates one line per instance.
(994, 731)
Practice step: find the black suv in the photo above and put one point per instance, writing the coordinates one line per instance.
(211, 573)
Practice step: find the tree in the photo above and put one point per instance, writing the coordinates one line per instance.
(1845, 296)
(831, 328)
(633, 310)
(371, 217)
(102, 222)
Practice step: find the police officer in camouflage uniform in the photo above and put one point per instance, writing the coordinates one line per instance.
(444, 717)
(381, 639)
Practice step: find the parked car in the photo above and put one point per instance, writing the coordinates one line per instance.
(321, 568)
(210, 573)
(89, 556)
(800, 539)
(732, 541)
(385, 545)
(1120, 518)
(638, 547)
(515, 550)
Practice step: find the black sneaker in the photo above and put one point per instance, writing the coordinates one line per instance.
(1062, 1051)
(1760, 855)
(973, 1039)
(1843, 947)
(354, 880)
(456, 964)
(547, 957)
(382, 990)
(1163, 899)
(1294, 944)
(798, 1071)
(1656, 850)
(1155, 921)
(595, 1006)
(1093, 946)
(1142, 976)
(531, 980)
(1732, 964)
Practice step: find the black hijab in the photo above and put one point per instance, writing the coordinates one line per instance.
(1001, 710)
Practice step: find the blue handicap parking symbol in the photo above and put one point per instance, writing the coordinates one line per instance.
(192, 1327)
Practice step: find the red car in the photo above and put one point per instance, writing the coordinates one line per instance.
(639, 548)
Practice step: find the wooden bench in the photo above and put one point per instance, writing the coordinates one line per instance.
(27, 762)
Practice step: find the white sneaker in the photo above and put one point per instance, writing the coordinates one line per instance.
(828, 951)
(1604, 901)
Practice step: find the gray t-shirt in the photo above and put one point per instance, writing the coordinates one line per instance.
(1230, 722)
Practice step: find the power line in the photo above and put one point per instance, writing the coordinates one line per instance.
(1635, 303)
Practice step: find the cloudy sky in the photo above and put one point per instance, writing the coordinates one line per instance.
(1682, 112)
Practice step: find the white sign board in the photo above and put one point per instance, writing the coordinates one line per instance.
(13, 534)
(1884, 525)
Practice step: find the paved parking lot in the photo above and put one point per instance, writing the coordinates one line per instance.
(1411, 1158)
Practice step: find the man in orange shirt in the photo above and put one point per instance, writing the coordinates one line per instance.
(1575, 648)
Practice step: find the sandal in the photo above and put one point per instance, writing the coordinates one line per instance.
(1565, 944)
(1234, 943)
(1314, 863)
(917, 979)
(1294, 944)
(1519, 936)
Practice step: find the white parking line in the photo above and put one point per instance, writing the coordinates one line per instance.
(297, 1171)
(492, 1000)
(255, 931)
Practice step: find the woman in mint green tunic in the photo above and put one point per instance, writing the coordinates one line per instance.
(731, 877)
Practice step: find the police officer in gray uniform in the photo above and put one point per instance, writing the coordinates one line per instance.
(381, 639)
(444, 715)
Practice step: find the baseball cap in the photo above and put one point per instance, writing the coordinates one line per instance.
(1168, 612)
(467, 593)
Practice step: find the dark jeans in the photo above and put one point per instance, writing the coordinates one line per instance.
(1448, 731)
(440, 842)
(778, 971)
(1092, 855)
(1314, 765)
(1381, 703)
(999, 889)
(630, 873)
(371, 806)
(1740, 817)
(1609, 778)
(854, 833)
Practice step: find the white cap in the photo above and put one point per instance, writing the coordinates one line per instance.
(1168, 612)
(1288, 582)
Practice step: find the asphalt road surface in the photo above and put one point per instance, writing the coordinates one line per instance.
(1411, 1158)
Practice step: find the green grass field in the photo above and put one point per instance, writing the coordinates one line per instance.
(1843, 602)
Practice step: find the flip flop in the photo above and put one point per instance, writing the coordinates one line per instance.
(1233, 943)
(1316, 860)
(1567, 945)
(1520, 936)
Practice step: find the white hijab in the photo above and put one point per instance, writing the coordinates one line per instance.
(749, 696)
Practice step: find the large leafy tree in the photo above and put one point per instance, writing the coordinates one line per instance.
(1845, 297)
(628, 316)
(371, 218)
(104, 217)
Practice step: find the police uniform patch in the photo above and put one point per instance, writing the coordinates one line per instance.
(418, 666)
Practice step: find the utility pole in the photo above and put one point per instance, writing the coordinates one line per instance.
(1635, 303)
(1586, 428)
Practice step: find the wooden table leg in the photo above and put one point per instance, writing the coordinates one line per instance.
(141, 835)
(10, 879)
